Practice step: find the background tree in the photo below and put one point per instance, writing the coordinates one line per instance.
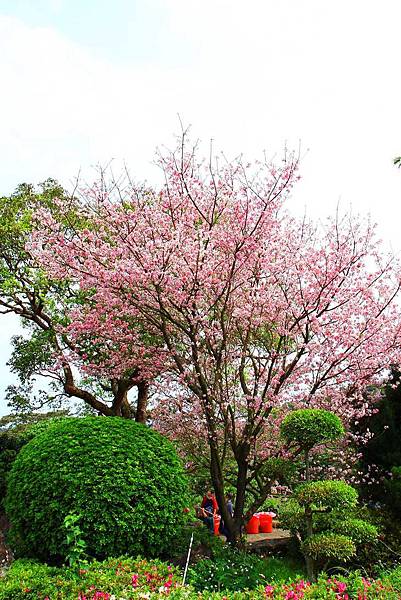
(380, 454)
(254, 310)
(43, 305)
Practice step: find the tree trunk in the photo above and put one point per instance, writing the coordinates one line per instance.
(307, 466)
(240, 491)
(120, 399)
(142, 402)
(127, 411)
(218, 486)
(310, 563)
(233, 525)
(71, 389)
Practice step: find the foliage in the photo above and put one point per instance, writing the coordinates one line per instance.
(15, 432)
(357, 529)
(329, 546)
(385, 552)
(124, 577)
(292, 516)
(76, 545)
(392, 486)
(245, 309)
(129, 579)
(284, 470)
(322, 513)
(330, 508)
(381, 432)
(311, 427)
(324, 495)
(124, 479)
(272, 504)
(235, 570)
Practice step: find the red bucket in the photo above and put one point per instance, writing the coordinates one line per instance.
(266, 523)
(217, 519)
(253, 525)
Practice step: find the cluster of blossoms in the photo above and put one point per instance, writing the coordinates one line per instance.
(146, 586)
(333, 588)
(149, 580)
(208, 285)
(213, 262)
(94, 594)
(293, 591)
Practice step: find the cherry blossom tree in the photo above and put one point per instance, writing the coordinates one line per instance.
(241, 310)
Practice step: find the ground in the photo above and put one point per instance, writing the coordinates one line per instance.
(5, 553)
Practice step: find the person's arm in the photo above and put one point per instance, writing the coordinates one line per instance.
(215, 506)
(202, 511)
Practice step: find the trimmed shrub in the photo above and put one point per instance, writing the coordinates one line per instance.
(327, 494)
(328, 546)
(359, 531)
(123, 480)
(310, 427)
(15, 432)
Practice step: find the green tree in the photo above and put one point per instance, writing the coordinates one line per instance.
(382, 450)
(322, 513)
(306, 428)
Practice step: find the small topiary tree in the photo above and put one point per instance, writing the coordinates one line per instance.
(123, 480)
(321, 513)
(309, 427)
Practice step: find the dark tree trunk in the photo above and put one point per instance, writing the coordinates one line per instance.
(127, 412)
(232, 525)
(142, 402)
(242, 473)
(310, 563)
(218, 486)
(120, 400)
(71, 389)
(307, 466)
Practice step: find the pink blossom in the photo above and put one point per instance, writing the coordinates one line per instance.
(231, 306)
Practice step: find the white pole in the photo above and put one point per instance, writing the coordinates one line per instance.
(187, 563)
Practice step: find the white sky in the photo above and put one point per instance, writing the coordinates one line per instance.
(86, 81)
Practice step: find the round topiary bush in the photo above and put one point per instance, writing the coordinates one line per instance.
(327, 494)
(309, 427)
(124, 480)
